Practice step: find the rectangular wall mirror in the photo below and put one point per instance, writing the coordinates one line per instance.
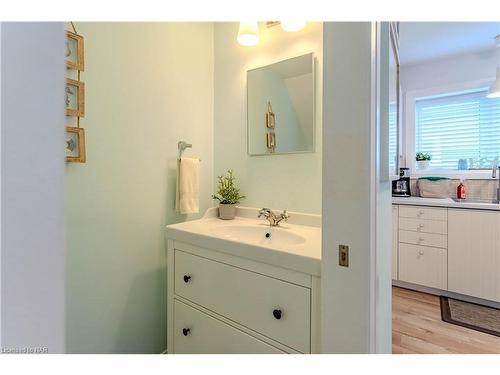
(280, 107)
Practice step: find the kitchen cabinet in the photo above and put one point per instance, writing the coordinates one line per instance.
(474, 253)
(425, 213)
(450, 249)
(422, 246)
(423, 265)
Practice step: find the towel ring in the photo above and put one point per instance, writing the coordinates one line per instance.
(181, 146)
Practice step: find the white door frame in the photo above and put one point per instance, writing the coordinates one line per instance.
(356, 301)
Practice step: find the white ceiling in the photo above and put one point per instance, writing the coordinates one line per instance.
(425, 41)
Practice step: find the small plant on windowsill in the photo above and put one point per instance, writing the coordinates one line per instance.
(423, 160)
(228, 196)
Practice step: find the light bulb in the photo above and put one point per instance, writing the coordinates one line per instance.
(248, 34)
(292, 26)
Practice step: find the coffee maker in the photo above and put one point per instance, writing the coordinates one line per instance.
(401, 187)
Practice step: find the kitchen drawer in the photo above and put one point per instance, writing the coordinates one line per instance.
(274, 308)
(417, 212)
(198, 333)
(425, 226)
(425, 239)
(423, 265)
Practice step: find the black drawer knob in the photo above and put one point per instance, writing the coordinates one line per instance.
(187, 278)
(185, 331)
(277, 314)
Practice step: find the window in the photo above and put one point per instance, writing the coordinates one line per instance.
(393, 138)
(459, 128)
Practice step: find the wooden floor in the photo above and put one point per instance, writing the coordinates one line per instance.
(417, 328)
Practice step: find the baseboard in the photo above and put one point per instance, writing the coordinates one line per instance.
(440, 292)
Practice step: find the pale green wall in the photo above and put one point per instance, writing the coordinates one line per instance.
(290, 182)
(147, 87)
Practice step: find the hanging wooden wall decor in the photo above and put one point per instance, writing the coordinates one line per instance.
(74, 97)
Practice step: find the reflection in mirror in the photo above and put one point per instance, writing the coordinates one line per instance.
(280, 116)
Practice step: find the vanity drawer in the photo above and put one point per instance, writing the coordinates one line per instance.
(423, 265)
(416, 212)
(425, 226)
(198, 333)
(274, 308)
(426, 239)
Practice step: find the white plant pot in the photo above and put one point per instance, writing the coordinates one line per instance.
(227, 211)
(423, 165)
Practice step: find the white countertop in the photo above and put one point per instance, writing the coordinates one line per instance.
(445, 202)
(303, 257)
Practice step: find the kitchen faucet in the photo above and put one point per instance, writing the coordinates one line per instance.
(274, 220)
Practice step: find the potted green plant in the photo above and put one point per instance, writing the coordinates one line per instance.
(423, 160)
(228, 196)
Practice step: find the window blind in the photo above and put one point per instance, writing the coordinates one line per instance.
(459, 126)
(393, 138)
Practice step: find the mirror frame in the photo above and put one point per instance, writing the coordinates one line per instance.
(313, 72)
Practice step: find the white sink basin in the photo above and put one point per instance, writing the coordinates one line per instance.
(295, 244)
(262, 235)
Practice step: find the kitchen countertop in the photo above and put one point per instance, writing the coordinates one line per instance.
(445, 202)
(304, 257)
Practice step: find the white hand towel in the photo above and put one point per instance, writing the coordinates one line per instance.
(187, 199)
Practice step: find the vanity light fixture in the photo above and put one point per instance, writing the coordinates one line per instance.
(288, 26)
(494, 91)
(292, 26)
(248, 34)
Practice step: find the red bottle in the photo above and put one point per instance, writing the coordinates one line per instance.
(461, 191)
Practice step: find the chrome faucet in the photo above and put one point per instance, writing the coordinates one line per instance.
(274, 220)
(494, 175)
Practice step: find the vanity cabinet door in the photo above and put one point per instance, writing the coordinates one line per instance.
(198, 333)
(274, 308)
(474, 253)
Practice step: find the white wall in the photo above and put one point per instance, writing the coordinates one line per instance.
(148, 85)
(450, 71)
(290, 182)
(32, 157)
(351, 192)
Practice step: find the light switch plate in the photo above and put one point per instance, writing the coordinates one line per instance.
(344, 255)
